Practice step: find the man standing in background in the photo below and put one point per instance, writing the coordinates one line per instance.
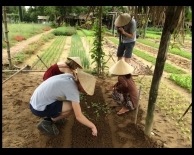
(126, 27)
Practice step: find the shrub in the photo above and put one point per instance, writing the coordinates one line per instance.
(64, 31)
(54, 25)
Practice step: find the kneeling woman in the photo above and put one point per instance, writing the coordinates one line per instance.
(125, 92)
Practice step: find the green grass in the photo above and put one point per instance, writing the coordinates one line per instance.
(155, 33)
(90, 39)
(114, 40)
(181, 53)
(22, 29)
(168, 67)
(80, 33)
(175, 51)
(88, 32)
(153, 36)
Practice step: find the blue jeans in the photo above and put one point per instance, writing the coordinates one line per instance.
(125, 49)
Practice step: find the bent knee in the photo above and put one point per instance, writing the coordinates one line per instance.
(67, 106)
(67, 113)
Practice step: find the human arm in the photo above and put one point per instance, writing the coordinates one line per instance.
(121, 85)
(129, 35)
(82, 119)
(63, 67)
(75, 75)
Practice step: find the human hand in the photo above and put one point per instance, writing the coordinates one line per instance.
(109, 88)
(94, 131)
(121, 30)
(75, 76)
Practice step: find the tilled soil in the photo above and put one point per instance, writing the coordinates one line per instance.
(92, 106)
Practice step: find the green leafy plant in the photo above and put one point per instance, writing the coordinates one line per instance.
(97, 53)
(182, 80)
(100, 107)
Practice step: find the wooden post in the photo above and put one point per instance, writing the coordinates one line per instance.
(6, 36)
(148, 69)
(14, 74)
(4, 71)
(137, 105)
(42, 61)
(185, 112)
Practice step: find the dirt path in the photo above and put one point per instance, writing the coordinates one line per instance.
(20, 46)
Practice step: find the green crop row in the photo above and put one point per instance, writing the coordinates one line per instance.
(184, 81)
(77, 49)
(52, 54)
(168, 67)
(175, 51)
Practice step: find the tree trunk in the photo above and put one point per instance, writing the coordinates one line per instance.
(136, 12)
(146, 21)
(99, 39)
(172, 18)
(6, 36)
(20, 13)
(3, 33)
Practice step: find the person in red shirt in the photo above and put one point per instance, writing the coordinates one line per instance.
(125, 92)
(69, 66)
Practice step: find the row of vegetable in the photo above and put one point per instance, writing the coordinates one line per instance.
(53, 53)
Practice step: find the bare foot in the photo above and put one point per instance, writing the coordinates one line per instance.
(122, 111)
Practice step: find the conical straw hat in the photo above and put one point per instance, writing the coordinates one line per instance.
(122, 20)
(121, 68)
(87, 81)
(77, 60)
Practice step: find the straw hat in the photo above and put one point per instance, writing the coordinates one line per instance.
(122, 19)
(87, 81)
(77, 60)
(121, 68)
